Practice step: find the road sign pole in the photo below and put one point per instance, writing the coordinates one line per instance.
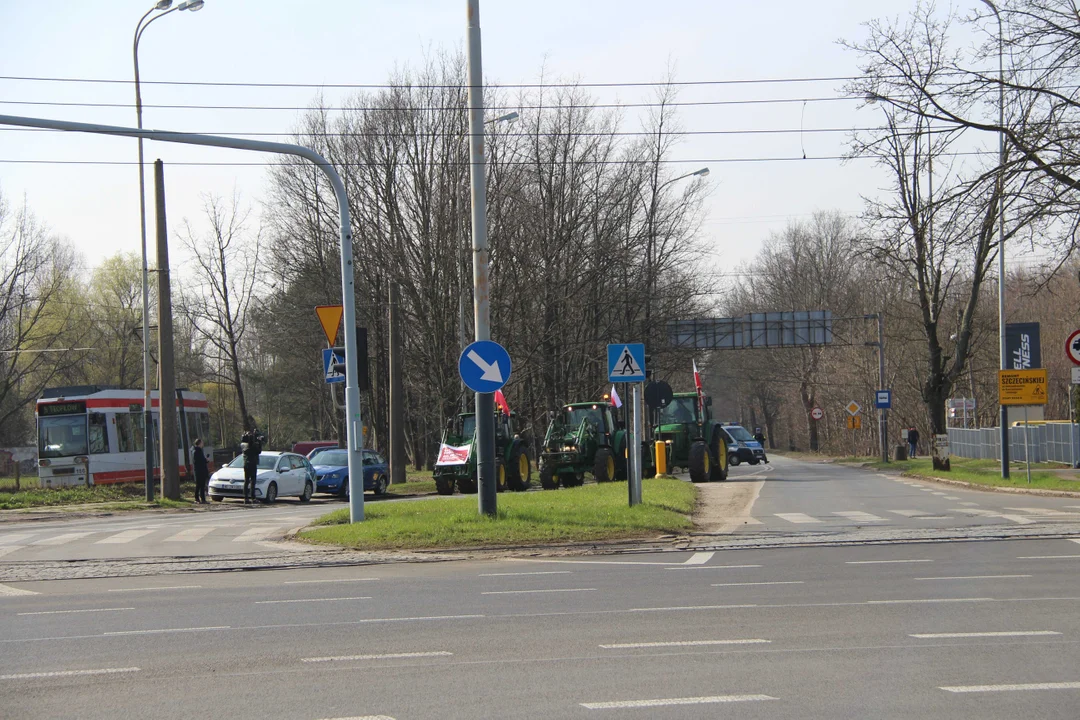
(1027, 447)
(883, 419)
(485, 402)
(635, 448)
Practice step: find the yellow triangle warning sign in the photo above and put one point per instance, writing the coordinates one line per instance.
(330, 318)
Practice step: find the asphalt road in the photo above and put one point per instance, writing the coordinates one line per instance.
(942, 630)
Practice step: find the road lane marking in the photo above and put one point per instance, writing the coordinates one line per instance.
(14, 538)
(537, 572)
(860, 516)
(699, 558)
(1045, 557)
(257, 533)
(385, 656)
(7, 549)
(66, 612)
(778, 582)
(193, 534)
(940, 493)
(689, 607)
(306, 600)
(123, 537)
(532, 592)
(797, 518)
(8, 591)
(970, 504)
(885, 562)
(155, 589)
(168, 630)
(929, 600)
(320, 582)
(684, 643)
(363, 717)
(1075, 540)
(1011, 688)
(951, 497)
(62, 539)
(713, 567)
(973, 577)
(622, 704)
(1005, 633)
(69, 673)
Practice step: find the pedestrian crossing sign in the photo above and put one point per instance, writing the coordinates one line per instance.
(626, 362)
(333, 359)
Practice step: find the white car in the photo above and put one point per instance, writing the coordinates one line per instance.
(280, 474)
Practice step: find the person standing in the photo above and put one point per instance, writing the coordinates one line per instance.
(251, 445)
(912, 441)
(202, 471)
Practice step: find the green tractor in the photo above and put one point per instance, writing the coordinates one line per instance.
(583, 437)
(513, 469)
(693, 442)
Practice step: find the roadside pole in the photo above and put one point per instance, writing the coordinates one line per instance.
(397, 392)
(170, 477)
(485, 402)
(635, 479)
(1027, 446)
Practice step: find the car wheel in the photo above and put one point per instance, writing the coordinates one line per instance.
(343, 493)
(732, 459)
(380, 485)
(753, 462)
(271, 494)
(306, 497)
(216, 498)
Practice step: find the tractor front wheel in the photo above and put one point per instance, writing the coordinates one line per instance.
(604, 466)
(444, 485)
(466, 486)
(547, 478)
(719, 458)
(699, 462)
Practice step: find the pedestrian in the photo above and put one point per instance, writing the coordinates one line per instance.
(202, 471)
(759, 436)
(251, 446)
(912, 441)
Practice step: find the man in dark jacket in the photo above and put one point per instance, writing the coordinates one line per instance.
(251, 445)
(912, 441)
(202, 471)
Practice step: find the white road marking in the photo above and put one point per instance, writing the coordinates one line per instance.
(363, 717)
(69, 673)
(62, 539)
(684, 643)
(787, 582)
(1011, 688)
(307, 600)
(8, 591)
(8, 549)
(1046, 512)
(320, 582)
(951, 497)
(193, 534)
(14, 538)
(699, 558)
(1018, 519)
(1075, 540)
(257, 533)
(1045, 557)
(910, 513)
(65, 612)
(1007, 633)
(939, 493)
(155, 589)
(797, 518)
(860, 516)
(621, 704)
(533, 592)
(538, 572)
(713, 567)
(929, 600)
(969, 504)
(689, 607)
(885, 562)
(123, 537)
(596, 562)
(973, 577)
(385, 656)
(168, 630)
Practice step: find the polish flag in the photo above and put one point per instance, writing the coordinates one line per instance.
(700, 393)
(500, 400)
(615, 399)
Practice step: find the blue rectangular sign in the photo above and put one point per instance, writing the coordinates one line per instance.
(883, 399)
(626, 362)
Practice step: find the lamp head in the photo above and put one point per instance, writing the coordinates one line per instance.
(192, 5)
(701, 173)
(163, 4)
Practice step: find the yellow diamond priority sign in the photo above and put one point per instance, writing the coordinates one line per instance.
(853, 408)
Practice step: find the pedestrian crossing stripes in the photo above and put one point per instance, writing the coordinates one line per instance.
(797, 518)
(62, 539)
(140, 536)
(191, 534)
(123, 537)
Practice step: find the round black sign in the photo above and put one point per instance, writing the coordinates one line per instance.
(658, 394)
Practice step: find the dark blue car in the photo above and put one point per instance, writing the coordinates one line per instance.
(332, 470)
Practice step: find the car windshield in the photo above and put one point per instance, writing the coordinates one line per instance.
(680, 410)
(737, 432)
(331, 457)
(266, 462)
(62, 436)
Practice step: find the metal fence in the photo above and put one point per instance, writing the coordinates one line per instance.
(1056, 442)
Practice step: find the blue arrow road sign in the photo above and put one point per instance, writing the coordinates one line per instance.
(883, 399)
(330, 358)
(484, 366)
(626, 362)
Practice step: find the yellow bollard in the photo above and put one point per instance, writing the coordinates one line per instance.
(661, 458)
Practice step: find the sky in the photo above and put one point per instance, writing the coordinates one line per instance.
(88, 189)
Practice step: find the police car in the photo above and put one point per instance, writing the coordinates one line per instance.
(742, 447)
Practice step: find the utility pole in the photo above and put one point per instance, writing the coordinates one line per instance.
(485, 402)
(397, 395)
(883, 414)
(170, 476)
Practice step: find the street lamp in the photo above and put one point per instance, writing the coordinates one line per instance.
(651, 280)
(1001, 232)
(163, 8)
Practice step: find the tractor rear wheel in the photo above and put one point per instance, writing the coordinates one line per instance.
(718, 450)
(518, 470)
(699, 462)
(500, 476)
(547, 478)
(604, 466)
(444, 485)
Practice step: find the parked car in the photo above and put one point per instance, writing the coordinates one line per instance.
(332, 469)
(280, 474)
(308, 447)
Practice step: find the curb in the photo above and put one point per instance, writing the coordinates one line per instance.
(993, 488)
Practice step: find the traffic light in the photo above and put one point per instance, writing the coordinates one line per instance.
(361, 359)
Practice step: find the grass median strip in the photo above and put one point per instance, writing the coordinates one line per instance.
(588, 513)
(979, 472)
